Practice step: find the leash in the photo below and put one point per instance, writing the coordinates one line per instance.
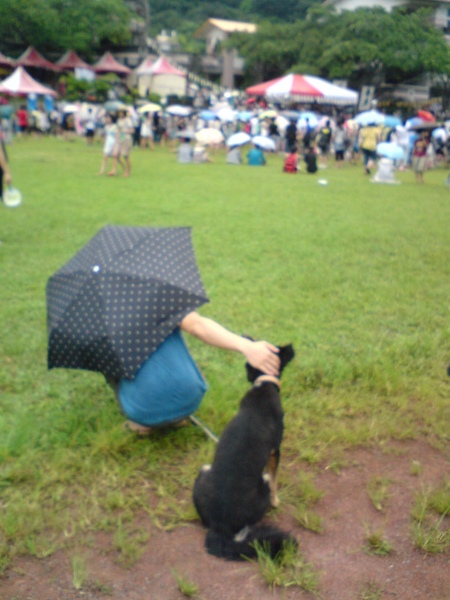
(206, 430)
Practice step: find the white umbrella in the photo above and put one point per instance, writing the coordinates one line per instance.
(179, 111)
(263, 142)
(71, 108)
(227, 114)
(209, 135)
(238, 139)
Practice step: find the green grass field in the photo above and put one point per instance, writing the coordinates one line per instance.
(354, 274)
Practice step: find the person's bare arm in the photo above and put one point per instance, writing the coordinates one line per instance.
(261, 355)
(4, 167)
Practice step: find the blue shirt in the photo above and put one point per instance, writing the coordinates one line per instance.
(167, 387)
(255, 157)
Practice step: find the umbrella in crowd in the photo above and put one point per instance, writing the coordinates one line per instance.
(71, 108)
(208, 115)
(179, 111)
(390, 150)
(186, 134)
(209, 135)
(370, 117)
(238, 139)
(263, 142)
(120, 297)
(114, 106)
(424, 126)
(268, 114)
(149, 107)
(425, 115)
(391, 121)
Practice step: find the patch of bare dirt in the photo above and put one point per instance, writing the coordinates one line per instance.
(346, 571)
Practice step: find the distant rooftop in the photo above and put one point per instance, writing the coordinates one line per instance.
(225, 26)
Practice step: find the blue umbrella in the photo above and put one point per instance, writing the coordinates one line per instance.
(370, 117)
(245, 115)
(390, 150)
(392, 121)
(208, 115)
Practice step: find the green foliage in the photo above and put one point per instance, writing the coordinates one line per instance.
(363, 46)
(56, 25)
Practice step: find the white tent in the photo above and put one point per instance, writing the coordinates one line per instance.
(160, 78)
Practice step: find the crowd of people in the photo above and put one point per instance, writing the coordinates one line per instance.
(306, 145)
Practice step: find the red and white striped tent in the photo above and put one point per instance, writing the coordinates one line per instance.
(32, 58)
(303, 88)
(108, 64)
(71, 61)
(20, 83)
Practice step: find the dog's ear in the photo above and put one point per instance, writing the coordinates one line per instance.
(286, 354)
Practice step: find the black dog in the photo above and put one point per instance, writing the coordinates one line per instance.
(233, 493)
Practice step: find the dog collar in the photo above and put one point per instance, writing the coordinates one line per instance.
(266, 378)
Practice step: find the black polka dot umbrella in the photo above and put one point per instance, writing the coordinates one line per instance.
(115, 301)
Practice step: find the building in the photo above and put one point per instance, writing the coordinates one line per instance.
(221, 60)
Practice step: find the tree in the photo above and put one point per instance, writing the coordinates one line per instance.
(55, 25)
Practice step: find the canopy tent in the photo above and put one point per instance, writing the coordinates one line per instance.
(6, 62)
(108, 64)
(20, 83)
(32, 58)
(161, 78)
(144, 67)
(71, 61)
(303, 88)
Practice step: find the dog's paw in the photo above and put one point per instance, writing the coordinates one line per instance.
(205, 468)
(274, 500)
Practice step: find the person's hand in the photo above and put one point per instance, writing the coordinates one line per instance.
(263, 356)
(8, 178)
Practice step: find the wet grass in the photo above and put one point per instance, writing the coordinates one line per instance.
(354, 274)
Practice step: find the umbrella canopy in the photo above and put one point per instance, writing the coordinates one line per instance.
(268, 114)
(70, 61)
(424, 126)
(425, 115)
(186, 134)
(120, 297)
(304, 88)
(238, 139)
(179, 111)
(208, 115)
(263, 142)
(114, 106)
(108, 64)
(390, 150)
(209, 135)
(20, 83)
(32, 58)
(150, 107)
(370, 117)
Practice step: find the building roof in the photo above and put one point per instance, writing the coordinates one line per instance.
(226, 26)
(108, 64)
(32, 58)
(70, 60)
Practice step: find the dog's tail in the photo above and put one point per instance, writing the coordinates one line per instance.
(270, 540)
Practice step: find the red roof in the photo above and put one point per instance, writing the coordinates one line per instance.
(6, 62)
(20, 83)
(163, 67)
(71, 61)
(32, 58)
(108, 64)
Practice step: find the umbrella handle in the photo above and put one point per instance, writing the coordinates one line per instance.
(204, 428)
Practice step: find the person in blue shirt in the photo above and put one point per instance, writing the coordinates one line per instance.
(169, 387)
(255, 157)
